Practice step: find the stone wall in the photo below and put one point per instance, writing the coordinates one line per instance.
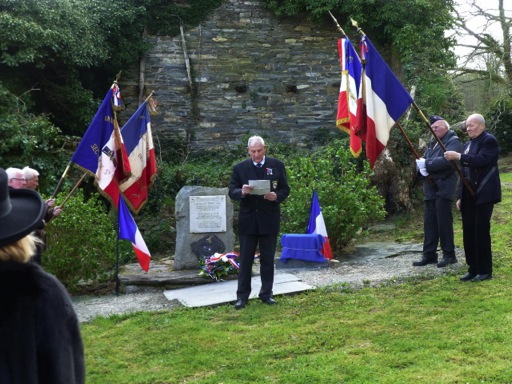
(252, 73)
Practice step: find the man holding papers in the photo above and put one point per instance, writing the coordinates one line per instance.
(260, 184)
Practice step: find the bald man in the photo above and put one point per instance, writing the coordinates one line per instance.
(479, 162)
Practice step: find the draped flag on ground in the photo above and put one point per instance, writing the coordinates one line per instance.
(138, 140)
(351, 69)
(128, 230)
(317, 225)
(386, 100)
(101, 150)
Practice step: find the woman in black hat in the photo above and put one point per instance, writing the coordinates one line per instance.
(40, 339)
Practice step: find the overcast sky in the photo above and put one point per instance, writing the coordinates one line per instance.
(478, 23)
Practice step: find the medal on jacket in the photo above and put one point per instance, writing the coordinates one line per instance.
(274, 184)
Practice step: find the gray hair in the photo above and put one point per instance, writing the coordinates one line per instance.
(29, 173)
(13, 173)
(255, 139)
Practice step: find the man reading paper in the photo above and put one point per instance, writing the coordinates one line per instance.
(259, 217)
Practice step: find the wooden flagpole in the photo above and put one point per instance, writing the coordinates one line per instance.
(69, 194)
(337, 24)
(59, 184)
(454, 165)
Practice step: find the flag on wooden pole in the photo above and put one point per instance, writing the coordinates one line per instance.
(385, 99)
(138, 140)
(317, 225)
(351, 69)
(101, 151)
(128, 230)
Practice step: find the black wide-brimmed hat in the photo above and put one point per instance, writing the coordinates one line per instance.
(21, 211)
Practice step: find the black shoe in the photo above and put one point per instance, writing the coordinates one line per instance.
(445, 261)
(482, 277)
(468, 276)
(240, 303)
(269, 301)
(424, 261)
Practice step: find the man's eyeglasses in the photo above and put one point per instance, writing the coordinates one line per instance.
(15, 178)
(437, 126)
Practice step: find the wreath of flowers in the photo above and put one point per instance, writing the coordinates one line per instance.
(220, 265)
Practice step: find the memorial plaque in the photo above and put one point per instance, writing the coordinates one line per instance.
(207, 214)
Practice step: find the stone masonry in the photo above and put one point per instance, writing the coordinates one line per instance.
(252, 73)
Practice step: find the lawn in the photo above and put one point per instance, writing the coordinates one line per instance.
(432, 329)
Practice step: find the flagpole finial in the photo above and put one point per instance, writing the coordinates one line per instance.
(150, 95)
(118, 76)
(152, 104)
(337, 24)
(355, 24)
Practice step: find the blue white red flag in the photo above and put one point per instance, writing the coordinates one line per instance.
(101, 151)
(128, 230)
(351, 70)
(317, 225)
(386, 100)
(138, 141)
(116, 97)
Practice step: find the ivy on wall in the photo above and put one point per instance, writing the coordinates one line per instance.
(165, 19)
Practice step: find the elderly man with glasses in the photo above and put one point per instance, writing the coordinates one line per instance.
(439, 191)
(16, 178)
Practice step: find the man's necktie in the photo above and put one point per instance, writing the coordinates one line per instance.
(259, 165)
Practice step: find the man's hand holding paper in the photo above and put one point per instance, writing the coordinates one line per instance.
(259, 187)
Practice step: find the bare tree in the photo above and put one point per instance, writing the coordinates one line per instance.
(484, 32)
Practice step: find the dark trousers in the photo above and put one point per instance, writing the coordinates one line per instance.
(476, 226)
(438, 228)
(267, 248)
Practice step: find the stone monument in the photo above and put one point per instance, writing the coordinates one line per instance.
(204, 225)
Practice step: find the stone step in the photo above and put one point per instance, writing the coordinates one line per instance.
(225, 291)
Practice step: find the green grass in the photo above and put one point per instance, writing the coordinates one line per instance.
(426, 330)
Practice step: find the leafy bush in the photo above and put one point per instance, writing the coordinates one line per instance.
(499, 123)
(81, 243)
(348, 200)
(30, 140)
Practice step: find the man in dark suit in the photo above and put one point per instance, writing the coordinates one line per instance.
(259, 217)
(439, 192)
(479, 161)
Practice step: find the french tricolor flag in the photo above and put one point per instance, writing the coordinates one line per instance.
(386, 100)
(317, 225)
(128, 230)
(138, 141)
(351, 70)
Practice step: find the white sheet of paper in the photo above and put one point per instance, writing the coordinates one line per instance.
(260, 187)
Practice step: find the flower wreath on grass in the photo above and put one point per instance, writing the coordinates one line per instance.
(220, 265)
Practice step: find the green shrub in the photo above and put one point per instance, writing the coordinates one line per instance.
(348, 200)
(81, 243)
(30, 140)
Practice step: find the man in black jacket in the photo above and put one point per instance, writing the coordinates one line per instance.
(479, 161)
(259, 217)
(439, 191)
